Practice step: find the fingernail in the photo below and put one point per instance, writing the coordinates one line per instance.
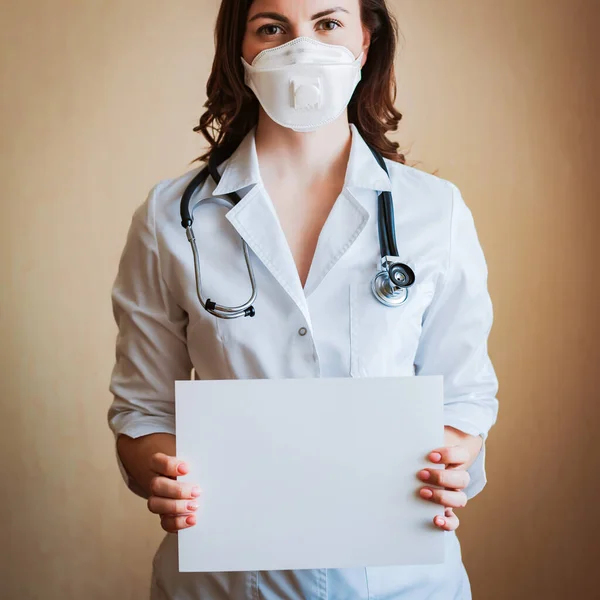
(192, 506)
(426, 493)
(440, 521)
(191, 520)
(435, 456)
(182, 468)
(424, 474)
(196, 491)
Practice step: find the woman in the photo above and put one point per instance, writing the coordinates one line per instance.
(301, 161)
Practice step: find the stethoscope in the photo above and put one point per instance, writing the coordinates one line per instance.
(390, 284)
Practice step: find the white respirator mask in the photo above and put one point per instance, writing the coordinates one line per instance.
(304, 84)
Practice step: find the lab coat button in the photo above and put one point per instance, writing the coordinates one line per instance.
(302, 331)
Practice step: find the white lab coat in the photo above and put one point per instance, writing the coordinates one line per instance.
(442, 329)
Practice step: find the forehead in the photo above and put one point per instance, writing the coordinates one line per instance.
(304, 9)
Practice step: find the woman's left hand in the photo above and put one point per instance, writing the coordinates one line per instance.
(457, 455)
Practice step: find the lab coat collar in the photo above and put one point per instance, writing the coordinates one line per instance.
(363, 169)
(242, 169)
(256, 220)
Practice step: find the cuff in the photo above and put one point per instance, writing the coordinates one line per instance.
(147, 426)
(477, 469)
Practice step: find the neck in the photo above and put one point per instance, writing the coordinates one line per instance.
(287, 154)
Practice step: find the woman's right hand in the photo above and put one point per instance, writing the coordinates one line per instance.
(175, 502)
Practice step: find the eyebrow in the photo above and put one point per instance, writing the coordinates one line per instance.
(283, 19)
(329, 11)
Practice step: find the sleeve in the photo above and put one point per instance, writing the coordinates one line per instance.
(454, 338)
(151, 349)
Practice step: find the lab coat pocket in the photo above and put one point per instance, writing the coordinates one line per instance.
(383, 339)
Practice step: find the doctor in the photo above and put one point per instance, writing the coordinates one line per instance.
(299, 94)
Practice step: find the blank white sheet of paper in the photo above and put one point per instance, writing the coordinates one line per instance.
(309, 473)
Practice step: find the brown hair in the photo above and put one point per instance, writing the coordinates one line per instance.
(232, 108)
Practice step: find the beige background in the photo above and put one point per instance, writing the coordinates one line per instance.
(98, 99)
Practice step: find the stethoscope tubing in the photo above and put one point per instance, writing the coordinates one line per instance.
(225, 312)
(387, 234)
(187, 220)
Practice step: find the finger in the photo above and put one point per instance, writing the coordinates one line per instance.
(444, 497)
(168, 466)
(169, 488)
(447, 478)
(449, 522)
(450, 455)
(173, 524)
(163, 506)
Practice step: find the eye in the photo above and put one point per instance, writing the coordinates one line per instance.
(270, 29)
(328, 25)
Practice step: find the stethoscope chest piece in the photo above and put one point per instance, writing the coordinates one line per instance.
(385, 294)
(390, 285)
